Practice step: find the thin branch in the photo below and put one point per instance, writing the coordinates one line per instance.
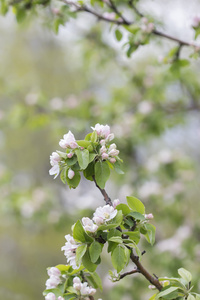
(145, 273)
(123, 21)
(115, 9)
(129, 273)
(89, 10)
(105, 195)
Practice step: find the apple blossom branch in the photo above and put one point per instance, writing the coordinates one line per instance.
(140, 269)
(123, 21)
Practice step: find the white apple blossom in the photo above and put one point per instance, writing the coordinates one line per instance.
(70, 174)
(83, 288)
(102, 130)
(70, 251)
(50, 296)
(53, 282)
(88, 225)
(68, 141)
(54, 170)
(104, 214)
(60, 298)
(53, 272)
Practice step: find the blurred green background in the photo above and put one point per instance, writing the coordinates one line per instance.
(51, 84)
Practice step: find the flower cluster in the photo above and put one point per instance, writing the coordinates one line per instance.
(100, 217)
(106, 151)
(54, 278)
(70, 251)
(54, 161)
(82, 288)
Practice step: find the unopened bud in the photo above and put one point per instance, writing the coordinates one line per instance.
(69, 155)
(149, 216)
(70, 173)
(104, 155)
(112, 160)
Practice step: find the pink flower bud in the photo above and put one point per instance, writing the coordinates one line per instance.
(116, 202)
(69, 155)
(112, 160)
(149, 216)
(104, 155)
(70, 173)
(103, 149)
(102, 142)
(50, 296)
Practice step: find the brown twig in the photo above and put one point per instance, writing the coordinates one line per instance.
(145, 273)
(105, 195)
(129, 273)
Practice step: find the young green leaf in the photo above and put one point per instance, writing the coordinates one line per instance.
(166, 292)
(95, 251)
(136, 215)
(185, 274)
(191, 297)
(102, 173)
(86, 261)
(150, 235)
(119, 258)
(96, 281)
(124, 208)
(79, 233)
(80, 251)
(83, 158)
(135, 204)
(118, 34)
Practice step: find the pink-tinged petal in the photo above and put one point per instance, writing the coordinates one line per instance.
(54, 171)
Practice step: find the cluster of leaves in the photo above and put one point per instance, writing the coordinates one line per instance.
(177, 288)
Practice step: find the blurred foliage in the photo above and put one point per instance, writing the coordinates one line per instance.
(49, 85)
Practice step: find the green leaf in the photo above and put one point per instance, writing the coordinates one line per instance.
(71, 161)
(132, 28)
(185, 274)
(135, 236)
(3, 7)
(92, 157)
(197, 296)
(191, 297)
(167, 291)
(116, 239)
(80, 251)
(95, 251)
(83, 158)
(20, 15)
(83, 143)
(118, 34)
(136, 215)
(63, 267)
(79, 233)
(63, 175)
(119, 258)
(102, 173)
(96, 280)
(74, 182)
(56, 291)
(86, 261)
(89, 171)
(150, 235)
(117, 166)
(70, 296)
(135, 204)
(94, 136)
(197, 33)
(124, 208)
